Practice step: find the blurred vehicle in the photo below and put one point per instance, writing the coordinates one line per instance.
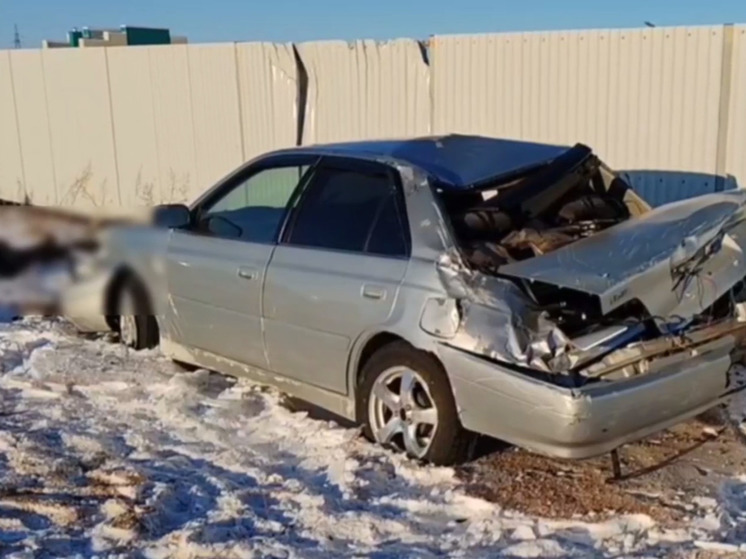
(432, 288)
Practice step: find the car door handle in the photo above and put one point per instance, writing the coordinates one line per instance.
(374, 292)
(248, 273)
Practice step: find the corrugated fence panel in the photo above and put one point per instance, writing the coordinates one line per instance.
(736, 154)
(11, 165)
(80, 127)
(672, 131)
(364, 90)
(215, 112)
(172, 114)
(477, 86)
(268, 90)
(134, 130)
(33, 121)
(141, 125)
(645, 100)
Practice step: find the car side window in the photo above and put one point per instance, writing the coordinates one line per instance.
(352, 211)
(254, 208)
(388, 237)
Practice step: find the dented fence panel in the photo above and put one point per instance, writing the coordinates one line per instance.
(365, 90)
(142, 125)
(645, 100)
(736, 121)
(80, 127)
(11, 164)
(268, 95)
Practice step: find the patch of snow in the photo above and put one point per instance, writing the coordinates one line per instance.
(105, 451)
(524, 533)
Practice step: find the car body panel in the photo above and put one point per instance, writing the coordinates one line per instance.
(215, 289)
(317, 302)
(578, 423)
(84, 302)
(339, 404)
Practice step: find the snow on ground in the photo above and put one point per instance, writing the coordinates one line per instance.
(108, 452)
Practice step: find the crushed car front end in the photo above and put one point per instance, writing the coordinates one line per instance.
(674, 384)
(579, 319)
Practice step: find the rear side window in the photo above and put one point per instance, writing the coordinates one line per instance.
(351, 211)
(387, 236)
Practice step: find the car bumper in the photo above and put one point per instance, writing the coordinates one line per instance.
(84, 302)
(589, 421)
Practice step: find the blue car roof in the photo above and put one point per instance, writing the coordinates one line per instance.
(455, 161)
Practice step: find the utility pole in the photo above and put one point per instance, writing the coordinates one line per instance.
(16, 37)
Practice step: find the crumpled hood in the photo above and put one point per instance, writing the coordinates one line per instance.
(677, 260)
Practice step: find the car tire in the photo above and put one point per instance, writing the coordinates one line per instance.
(388, 370)
(136, 324)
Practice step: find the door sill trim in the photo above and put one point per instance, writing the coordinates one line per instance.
(338, 404)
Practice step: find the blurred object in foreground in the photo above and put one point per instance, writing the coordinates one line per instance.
(40, 250)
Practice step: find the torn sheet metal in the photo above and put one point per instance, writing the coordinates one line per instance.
(638, 358)
(456, 279)
(676, 260)
(595, 345)
(502, 324)
(484, 314)
(499, 321)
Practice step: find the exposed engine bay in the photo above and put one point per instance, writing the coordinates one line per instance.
(573, 198)
(637, 275)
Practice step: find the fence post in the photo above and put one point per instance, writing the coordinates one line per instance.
(726, 74)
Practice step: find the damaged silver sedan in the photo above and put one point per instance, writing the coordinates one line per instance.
(434, 288)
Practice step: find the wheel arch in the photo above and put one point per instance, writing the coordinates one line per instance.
(111, 298)
(367, 346)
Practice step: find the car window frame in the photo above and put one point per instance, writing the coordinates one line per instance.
(235, 179)
(364, 167)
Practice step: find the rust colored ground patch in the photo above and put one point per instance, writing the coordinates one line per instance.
(667, 476)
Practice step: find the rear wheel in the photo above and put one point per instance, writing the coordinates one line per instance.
(407, 403)
(136, 323)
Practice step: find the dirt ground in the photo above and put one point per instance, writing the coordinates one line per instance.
(667, 476)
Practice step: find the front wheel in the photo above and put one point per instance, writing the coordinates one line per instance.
(407, 403)
(136, 323)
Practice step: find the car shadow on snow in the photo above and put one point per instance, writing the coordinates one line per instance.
(178, 492)
(191, 500)
(183, 491)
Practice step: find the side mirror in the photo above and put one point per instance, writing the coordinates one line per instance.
(221, 227)
(171, 216)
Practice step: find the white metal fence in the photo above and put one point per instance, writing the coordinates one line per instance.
(125, 126)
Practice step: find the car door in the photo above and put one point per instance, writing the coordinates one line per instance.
(216, 269)
(337, 270)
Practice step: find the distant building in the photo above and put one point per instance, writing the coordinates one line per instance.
(126, 35)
